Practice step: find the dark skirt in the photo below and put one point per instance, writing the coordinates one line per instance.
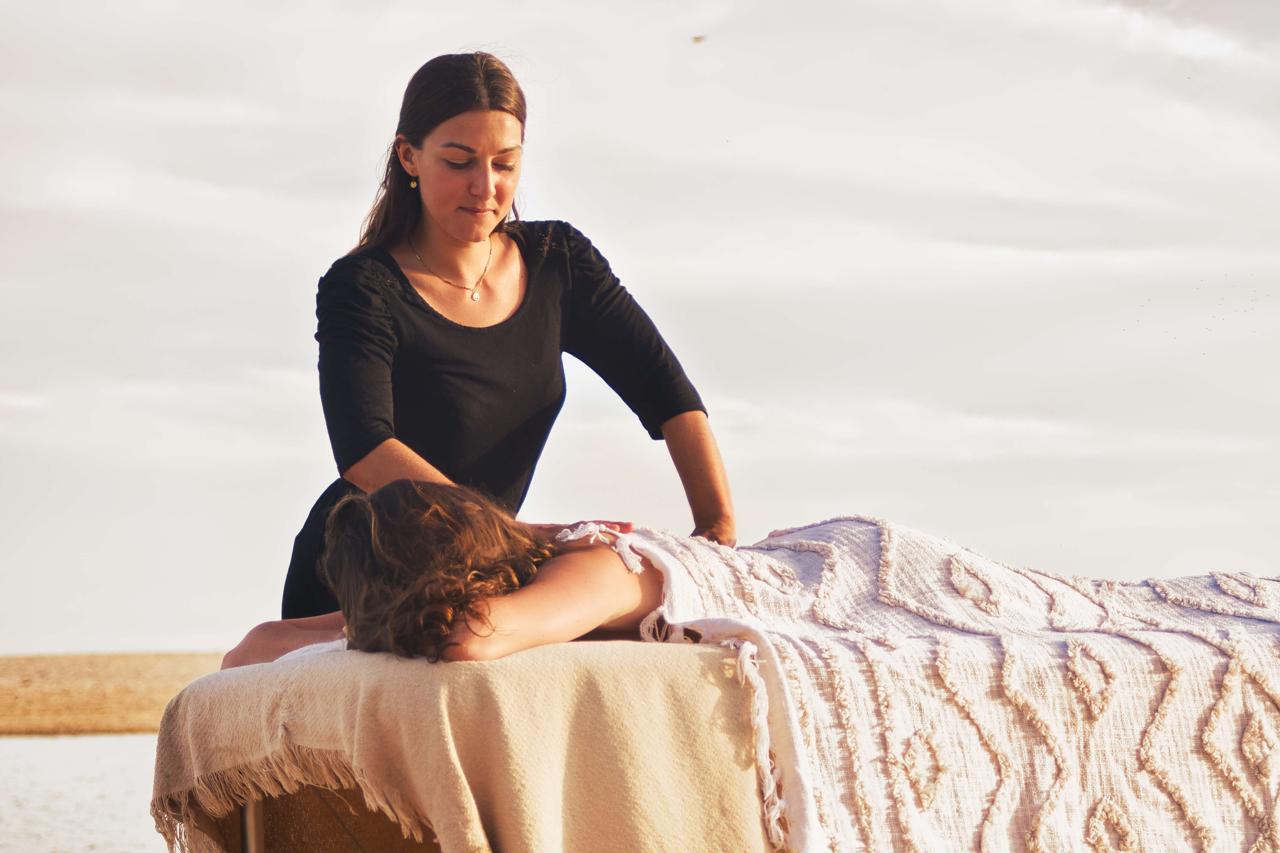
(304, 593)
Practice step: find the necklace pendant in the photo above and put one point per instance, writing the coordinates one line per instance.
(475, 296)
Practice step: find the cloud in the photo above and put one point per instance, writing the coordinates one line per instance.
(1149, 32)
(11, 400)
(1140, 29)
(252, 417)
(894, 427)
(1247, 22)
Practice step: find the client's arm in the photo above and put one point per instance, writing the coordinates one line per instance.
(585, 589)
(270, 640)
(572, 594)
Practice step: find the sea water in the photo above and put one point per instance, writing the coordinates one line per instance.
(71, 793)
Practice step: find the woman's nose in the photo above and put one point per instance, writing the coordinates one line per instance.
(483, 186)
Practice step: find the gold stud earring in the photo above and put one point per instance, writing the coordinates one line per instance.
(414, 183)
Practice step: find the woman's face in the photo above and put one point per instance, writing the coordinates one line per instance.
(469, 163)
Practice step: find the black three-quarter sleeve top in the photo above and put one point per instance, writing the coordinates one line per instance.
(478, 402)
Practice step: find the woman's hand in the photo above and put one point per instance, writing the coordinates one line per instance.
(722, 530)
(697, 460)
(550, 530)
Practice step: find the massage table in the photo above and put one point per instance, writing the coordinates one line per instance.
(583, 746)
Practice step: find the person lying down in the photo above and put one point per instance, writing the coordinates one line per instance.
(909, 688)
(441, 572)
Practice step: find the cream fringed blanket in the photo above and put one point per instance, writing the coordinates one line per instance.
(919, 696)
(585, 746)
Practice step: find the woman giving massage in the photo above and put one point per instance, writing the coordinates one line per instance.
(439, 571)
(442, 332)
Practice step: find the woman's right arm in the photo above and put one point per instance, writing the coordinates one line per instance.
(358, 340)
(392, 460)
(572, 594)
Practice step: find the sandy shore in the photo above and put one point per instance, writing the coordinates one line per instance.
(89, 694)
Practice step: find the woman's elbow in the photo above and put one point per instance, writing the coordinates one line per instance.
(456, 652)
(471, 648)
(249, 650)
(368, 472)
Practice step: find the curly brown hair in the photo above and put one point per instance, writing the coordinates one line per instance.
(410, 559)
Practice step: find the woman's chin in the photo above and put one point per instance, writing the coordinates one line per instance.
(474, 227)
(465, 227)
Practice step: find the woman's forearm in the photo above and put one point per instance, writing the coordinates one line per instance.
(697, 459)
(392, 460)
(331, 621)
(268, 641)
(573, 594)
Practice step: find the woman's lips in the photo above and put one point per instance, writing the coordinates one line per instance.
(480, 212)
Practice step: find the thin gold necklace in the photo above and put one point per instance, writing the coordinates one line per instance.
(475, 294)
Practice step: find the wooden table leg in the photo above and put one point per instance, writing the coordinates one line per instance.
(252, 828)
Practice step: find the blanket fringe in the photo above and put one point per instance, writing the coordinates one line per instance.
(285, 771)
(770, 783)
(655, 628)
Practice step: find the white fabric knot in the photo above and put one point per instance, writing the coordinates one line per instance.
(594, 531)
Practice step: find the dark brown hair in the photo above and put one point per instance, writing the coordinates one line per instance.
(410, 559)
(444, 87)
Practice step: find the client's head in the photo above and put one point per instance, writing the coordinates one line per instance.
(410, 560)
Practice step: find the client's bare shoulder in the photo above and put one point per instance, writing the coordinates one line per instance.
(599, 555)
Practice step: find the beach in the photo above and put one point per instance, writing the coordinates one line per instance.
(93, 693)
(77, 761)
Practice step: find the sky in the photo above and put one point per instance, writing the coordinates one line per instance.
(1006, 272)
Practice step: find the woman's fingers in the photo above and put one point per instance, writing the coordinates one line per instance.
(620, 526)
(552, 533)
(722, 531)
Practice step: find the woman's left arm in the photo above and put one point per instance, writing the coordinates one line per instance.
(612, 334)
(697, 460)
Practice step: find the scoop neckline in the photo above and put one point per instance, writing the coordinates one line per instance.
(517, 235)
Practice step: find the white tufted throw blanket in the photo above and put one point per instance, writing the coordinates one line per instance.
(915, 695)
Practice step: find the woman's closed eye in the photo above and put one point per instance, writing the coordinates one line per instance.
(506, 167)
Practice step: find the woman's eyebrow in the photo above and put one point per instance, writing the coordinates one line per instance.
(471, 150)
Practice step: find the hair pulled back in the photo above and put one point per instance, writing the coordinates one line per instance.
(446, 86)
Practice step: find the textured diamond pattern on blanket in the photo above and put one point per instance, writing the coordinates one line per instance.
(922, 696)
